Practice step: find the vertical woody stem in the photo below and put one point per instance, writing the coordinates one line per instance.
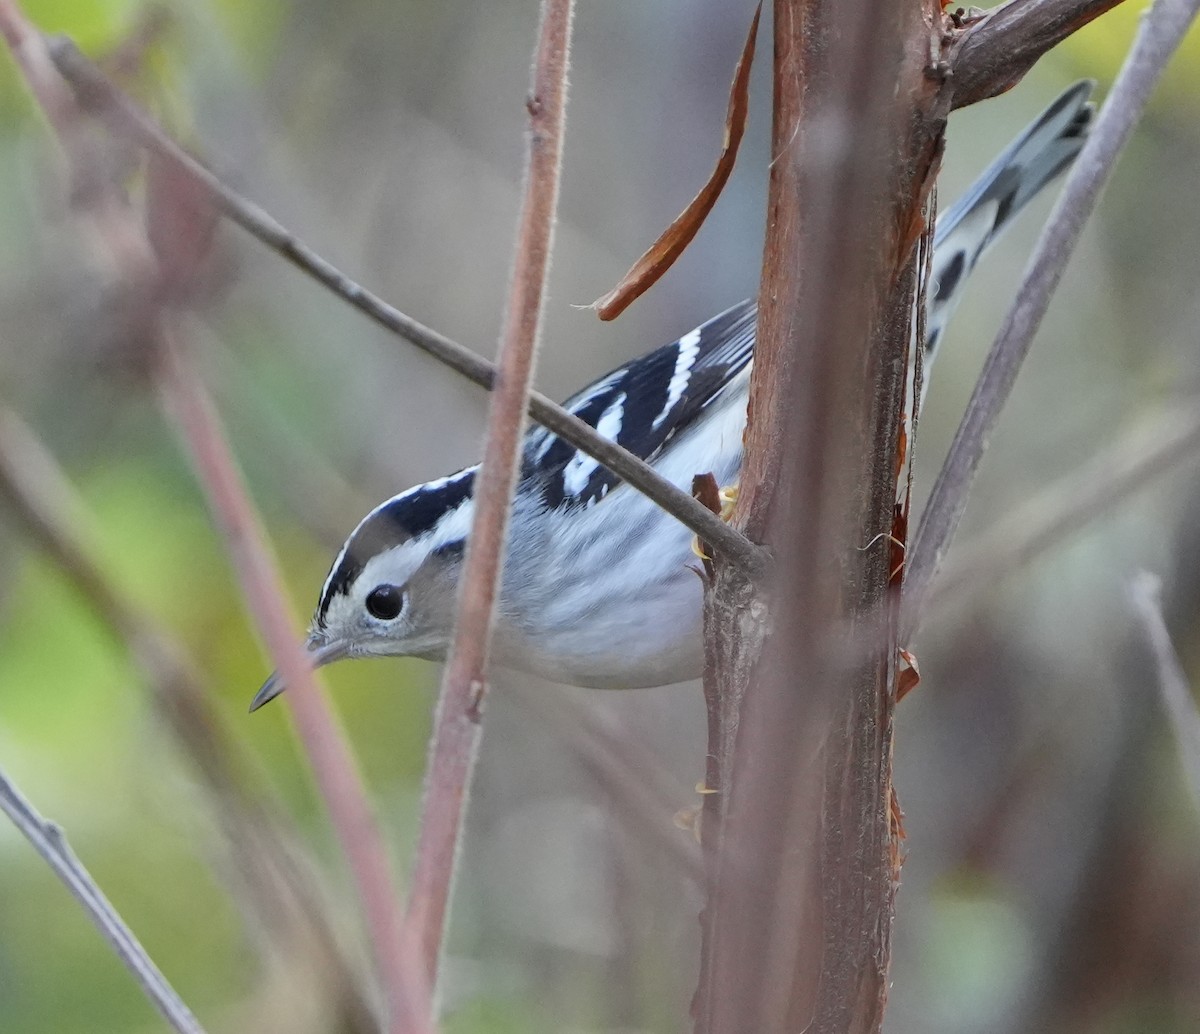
(796, 929)
(457, 724)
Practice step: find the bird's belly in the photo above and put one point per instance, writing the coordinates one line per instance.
(653, 637)
(634, 661)
(609, 598)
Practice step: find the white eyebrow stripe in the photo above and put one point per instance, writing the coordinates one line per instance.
(428, 486)
(337, 566)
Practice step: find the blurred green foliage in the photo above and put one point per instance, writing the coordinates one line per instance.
(1098, 49)
(76, 730)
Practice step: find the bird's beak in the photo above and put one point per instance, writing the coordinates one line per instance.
(319, 654)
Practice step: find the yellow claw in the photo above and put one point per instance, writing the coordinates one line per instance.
(729, 495)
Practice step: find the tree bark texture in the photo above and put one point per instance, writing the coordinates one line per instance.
(799, 845)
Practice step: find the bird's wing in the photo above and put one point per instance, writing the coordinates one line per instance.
(642, 406)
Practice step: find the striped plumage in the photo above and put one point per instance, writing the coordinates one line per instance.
(597, 589)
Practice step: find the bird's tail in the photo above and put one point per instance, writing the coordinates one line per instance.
(965, 230)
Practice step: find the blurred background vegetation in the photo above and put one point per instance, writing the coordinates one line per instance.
(1052, 852)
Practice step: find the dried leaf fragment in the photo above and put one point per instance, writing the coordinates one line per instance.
(705, 491)
(897, 835)
(662, 254)
(909, 676)
(896, 816)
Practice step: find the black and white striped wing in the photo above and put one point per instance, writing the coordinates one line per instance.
(641, 406)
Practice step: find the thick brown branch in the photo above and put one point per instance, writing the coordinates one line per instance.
(457, 724)
(993, 54)
(99, 96)
(797, 922)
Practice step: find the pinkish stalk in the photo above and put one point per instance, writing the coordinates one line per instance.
(457, 724)
(333, 764)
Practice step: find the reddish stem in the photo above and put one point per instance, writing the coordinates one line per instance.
(457, 728)
(337, 775)
(122, 237)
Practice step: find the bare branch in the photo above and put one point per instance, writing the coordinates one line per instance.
(269, 859)
(1070, 504)
(333, 764)
(1145, 593)
(121, 236)
(457, 722)
(1161, 31)
(994, 53)
(32, 58)
(48, 840)
(96, 94)
(797, 923)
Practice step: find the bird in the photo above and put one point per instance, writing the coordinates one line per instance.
(598, 588)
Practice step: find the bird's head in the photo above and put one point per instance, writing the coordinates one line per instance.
(393, 585)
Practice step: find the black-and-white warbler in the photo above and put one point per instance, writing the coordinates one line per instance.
(597, 589)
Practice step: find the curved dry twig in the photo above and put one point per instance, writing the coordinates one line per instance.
(654, 262)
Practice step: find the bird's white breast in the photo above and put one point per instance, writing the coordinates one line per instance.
(608, 596)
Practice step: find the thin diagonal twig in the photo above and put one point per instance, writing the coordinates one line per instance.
(1145, 592)
(457, 723)
(96, 94)
(1162, 29)
(644, 791)
(48, 840)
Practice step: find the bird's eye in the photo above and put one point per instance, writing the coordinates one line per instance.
(385, 602)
